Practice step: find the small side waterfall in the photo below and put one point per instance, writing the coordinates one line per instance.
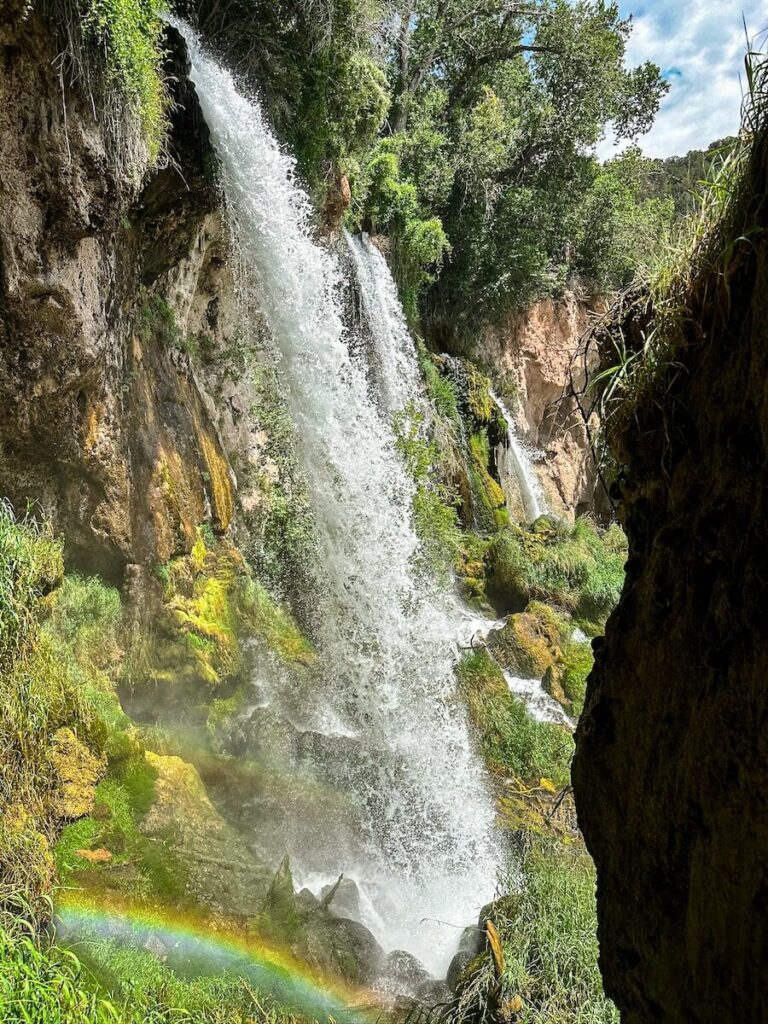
(408, 814)
(396, 370)
(515, 463)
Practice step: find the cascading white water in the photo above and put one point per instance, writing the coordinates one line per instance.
(396, 367)
(520, 467)
(383, 726)
(538, 702)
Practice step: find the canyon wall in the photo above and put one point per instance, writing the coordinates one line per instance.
(533, 356)
(672, 750)
(108, 271)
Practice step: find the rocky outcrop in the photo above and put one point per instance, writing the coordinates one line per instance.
(671, 767)
(217, 869)
(532, 355)
(103, 424)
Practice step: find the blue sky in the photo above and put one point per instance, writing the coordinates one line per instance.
(699, 45)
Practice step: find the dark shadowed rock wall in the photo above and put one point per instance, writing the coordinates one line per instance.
(671, 769)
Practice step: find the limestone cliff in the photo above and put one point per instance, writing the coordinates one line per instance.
(672, 750)
(533, 356)
(103, 423)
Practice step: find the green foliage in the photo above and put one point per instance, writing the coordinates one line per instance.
(512, 742)
(419, 242)
(317, 70)
(128, 34)
(578, 568)
(41, 983)
(37, 697)
(548, 931)
(619, 231)
(690, 280)
(441, 389)
(46, 985)
(493, 113)
(274, 625)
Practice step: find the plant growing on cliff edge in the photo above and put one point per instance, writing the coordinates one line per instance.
(126, 37)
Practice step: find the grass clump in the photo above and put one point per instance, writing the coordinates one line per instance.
(549, 953)
(512, 742)
(577, 568)
(43, 983)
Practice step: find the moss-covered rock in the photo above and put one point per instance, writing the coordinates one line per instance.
(512, 742)
(76, 772)
(326, 941)
(529, 643)
(214, 862)
(210, 604)
(488, 502)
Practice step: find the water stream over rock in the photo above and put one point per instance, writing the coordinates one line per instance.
(516, 469)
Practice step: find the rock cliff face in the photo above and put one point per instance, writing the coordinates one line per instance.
(672, 751)
(102, 420)
(533, 354)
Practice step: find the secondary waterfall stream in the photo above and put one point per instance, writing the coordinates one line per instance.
(382, 729)
(517, 466)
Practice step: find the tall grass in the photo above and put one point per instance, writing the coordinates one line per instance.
(549, 954)
(550, 940)
(42, 983)
(55, 639)
(578, 568)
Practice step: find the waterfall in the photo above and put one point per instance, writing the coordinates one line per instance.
(538, 702)
(396, 370)
(515, 462)
(381, 729)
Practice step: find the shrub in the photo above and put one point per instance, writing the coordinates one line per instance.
(512, 742)
(578, 568)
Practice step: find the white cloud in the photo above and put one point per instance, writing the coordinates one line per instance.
(699, 46)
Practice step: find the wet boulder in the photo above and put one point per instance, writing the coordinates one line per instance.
(343, 899)
(403, 979)
(471, 945)
(315, 933)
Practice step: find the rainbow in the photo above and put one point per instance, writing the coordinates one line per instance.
(186, 940)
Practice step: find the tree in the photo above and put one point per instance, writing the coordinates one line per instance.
(574, 47)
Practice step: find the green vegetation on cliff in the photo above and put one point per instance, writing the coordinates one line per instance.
(121, 40)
